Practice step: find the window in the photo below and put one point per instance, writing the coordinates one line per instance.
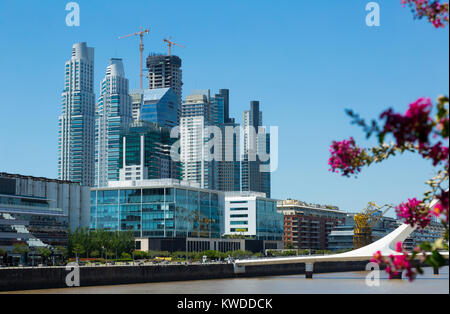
(239, 216)
(233, 223)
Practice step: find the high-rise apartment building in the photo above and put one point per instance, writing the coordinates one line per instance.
(113, 113)
(209, 158)
(77, 120)
(196, 116)
(165, 71)
(256, 145)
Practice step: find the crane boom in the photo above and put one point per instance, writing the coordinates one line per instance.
(170, 43)
(141, 50)
(365, 221)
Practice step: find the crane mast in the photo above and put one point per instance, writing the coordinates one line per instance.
(141, 50)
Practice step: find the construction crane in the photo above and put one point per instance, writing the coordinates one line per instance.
(141, 49)
(365, 221)
(170, 43)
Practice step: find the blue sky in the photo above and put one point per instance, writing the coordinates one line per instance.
(305, 61)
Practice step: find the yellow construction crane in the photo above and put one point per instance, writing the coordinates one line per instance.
(365, 221)
(170, 43)
(141, 49)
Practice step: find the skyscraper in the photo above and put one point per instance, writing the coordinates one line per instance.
(113, 113)
(137, 97)
(196, 116)
(165, 71)
(77, 120)
(228, 167)
(256, 144)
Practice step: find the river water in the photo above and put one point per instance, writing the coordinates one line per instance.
(350, 282)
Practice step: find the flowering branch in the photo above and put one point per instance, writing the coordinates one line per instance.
(414, 131)
(436, 12)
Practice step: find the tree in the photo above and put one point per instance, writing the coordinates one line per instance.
(78, 250)
(45, 253)
(61, 250)
(20, 248)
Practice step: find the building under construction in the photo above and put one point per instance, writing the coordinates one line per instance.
(165, 71)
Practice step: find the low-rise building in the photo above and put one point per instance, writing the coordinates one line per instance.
(165, 208)
(252, 215)
(307, 226)
(39, 212)
(341, 237)
(434, 231)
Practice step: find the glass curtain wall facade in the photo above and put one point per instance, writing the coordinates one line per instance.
(160, 106)
(254, 146)
(31, 221)
(145, 153)
(269, 223)
(77, 120)
(170, 212)
(113, 113)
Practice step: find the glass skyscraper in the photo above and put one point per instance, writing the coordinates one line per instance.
(255, 145)
(113, 113)
(77, 120)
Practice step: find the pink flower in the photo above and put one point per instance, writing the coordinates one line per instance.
(414, 213)
(415, 125)
(399, 247)
(396, 264)
(436, 12)
(437, 153)
(442, 208)
(346, 157)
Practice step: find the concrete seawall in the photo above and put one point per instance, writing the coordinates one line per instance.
(48, 278)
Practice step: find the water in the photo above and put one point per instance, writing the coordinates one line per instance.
(350, 282)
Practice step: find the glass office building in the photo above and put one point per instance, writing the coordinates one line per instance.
(251, 214)
(158, 209)
(160, 106)
(145, 153)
